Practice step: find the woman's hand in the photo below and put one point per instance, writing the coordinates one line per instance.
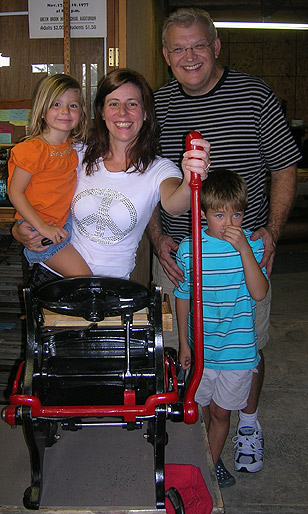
(175, 196)
(31, 239)
(197, 161)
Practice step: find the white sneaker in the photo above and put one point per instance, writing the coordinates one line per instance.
(249, 449)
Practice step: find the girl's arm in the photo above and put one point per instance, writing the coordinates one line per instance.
(256, 281)
(182, 307)
(18, 185)
(175, 194)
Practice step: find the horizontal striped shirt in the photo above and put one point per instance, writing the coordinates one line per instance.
(230, 339)
(248, 133)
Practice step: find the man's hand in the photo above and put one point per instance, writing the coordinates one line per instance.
(28, 237)
(269, 247)
(164, 245)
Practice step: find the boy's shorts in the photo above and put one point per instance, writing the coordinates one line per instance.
(228, 388)
(34, 257)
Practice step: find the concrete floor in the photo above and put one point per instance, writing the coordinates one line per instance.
(97, 469)
(281, 487)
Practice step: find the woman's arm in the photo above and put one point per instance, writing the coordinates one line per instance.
(176, 194)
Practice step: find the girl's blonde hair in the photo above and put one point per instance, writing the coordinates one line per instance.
(48, 90)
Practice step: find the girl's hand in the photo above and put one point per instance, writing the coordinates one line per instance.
(197, 161)
(56, 234)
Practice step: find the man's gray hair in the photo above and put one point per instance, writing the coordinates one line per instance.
(186, 18)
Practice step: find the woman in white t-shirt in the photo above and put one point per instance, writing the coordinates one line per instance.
(121, 178)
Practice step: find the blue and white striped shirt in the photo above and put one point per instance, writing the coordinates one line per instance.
(230, 339)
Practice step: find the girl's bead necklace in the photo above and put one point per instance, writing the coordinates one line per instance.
(48, 143)
(54, 152)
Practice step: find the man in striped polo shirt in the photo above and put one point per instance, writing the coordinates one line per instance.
(241, 118)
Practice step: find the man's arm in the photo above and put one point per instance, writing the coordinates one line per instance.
(163, 245)
(283, 189)
(282, 194)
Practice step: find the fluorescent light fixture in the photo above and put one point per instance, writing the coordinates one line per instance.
(259, 25)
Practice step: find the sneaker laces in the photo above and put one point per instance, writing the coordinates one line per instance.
(249, 442)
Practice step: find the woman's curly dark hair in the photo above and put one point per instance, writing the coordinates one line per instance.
(144, 148)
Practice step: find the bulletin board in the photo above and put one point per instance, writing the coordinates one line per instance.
(14, 118)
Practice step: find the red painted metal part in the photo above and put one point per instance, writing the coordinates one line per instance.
(170, 370)
(16, 382)
(10, 415)
(129, 410)
(190, 406)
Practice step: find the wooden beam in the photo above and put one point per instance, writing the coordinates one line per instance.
(67, 36)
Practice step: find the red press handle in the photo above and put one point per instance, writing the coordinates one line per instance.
(190, 406)
(195, 178)
(193, 135)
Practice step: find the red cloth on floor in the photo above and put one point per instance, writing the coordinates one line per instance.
(188, 480)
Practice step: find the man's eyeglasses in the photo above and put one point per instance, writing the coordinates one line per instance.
(198, 48)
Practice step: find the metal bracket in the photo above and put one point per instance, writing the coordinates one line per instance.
(113, 57)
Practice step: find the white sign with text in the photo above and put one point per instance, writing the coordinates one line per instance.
(87, 19)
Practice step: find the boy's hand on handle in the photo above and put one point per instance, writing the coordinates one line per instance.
(196, 159)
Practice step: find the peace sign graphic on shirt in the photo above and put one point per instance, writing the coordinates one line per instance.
(108, 215)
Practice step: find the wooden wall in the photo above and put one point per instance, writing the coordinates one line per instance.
(144, 19)
(279, 57)
(17, 80)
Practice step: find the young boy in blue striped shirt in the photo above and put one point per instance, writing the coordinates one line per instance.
(232, 283)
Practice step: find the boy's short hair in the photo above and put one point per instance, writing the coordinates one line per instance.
(223, 187)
